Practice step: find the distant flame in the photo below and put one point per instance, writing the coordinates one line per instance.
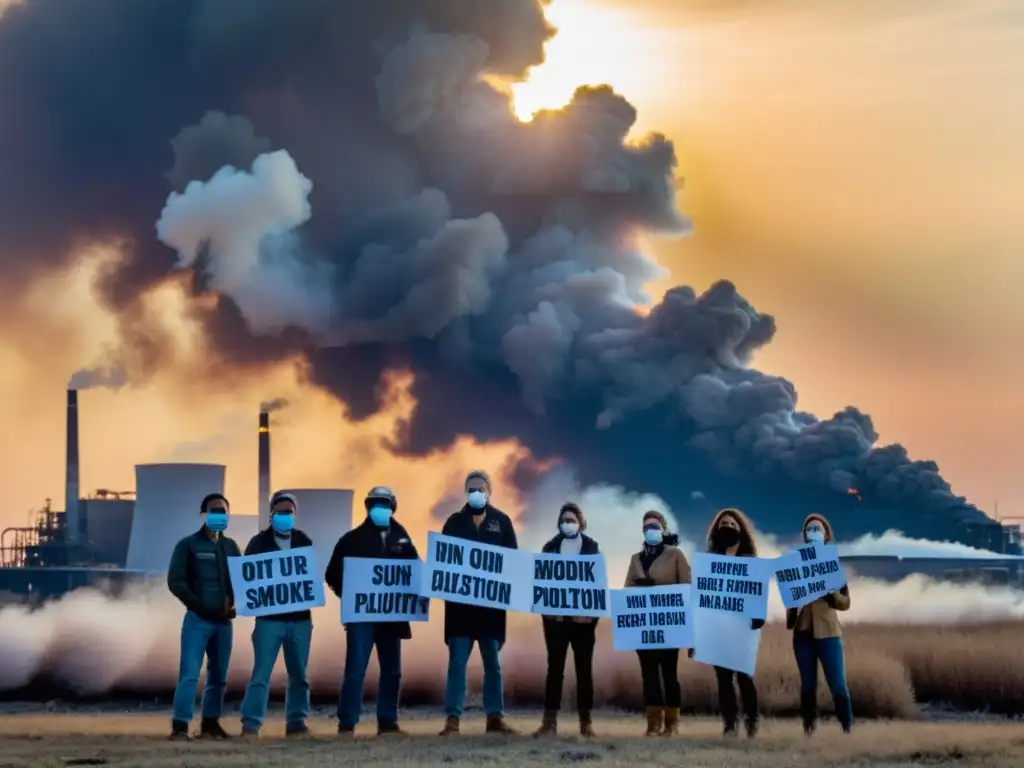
(854, 492)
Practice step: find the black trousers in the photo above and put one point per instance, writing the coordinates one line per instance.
(660, 673)
(559, 636)
(727, 695)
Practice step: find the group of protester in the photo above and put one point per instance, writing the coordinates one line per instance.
(198, 577)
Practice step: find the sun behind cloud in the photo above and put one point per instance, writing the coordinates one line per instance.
(596, 44)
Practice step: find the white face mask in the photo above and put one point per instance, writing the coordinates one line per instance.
(477, 499)
(653, 536)
(815, 536)
(569, 530)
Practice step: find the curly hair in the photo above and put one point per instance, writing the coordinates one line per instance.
(570, 506)
(748, 545)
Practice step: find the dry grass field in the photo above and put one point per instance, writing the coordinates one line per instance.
(138, 740)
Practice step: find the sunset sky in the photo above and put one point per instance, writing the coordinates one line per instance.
(853, 167)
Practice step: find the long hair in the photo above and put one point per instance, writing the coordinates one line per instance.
(747, 546)
(829, 535)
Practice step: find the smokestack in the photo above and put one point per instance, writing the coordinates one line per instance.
(264, 462)
(72, 521)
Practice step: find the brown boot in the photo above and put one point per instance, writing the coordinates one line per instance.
(586, 726)
(671, 722)
(497, 724)
(451, 727)
(655, 717)
(548, 726)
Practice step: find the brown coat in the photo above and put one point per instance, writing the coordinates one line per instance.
(670, 567)
(820, 618)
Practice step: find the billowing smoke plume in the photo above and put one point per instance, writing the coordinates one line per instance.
(350, 186)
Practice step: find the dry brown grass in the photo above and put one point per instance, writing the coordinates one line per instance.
(891, 670)
(126, 740)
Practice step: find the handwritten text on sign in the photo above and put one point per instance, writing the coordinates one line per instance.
(808, 573)
(736, 585)
(462, 571)
(382, 590)
(276, 582)
(570, 585)
(649, 618)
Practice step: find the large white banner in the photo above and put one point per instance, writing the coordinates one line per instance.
(276, 582)
(735, 585)
(570, 585)
(463, 571)
(649, 618)
(808, 573)
(382, 590)
(725, 640)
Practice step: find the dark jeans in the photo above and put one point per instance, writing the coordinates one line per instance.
(202, 639)
(360, 640)
(559, 636)
(727, 695)
(659, 670)
(828, 651)
(459, 649)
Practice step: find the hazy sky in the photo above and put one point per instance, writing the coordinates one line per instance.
(851, 166)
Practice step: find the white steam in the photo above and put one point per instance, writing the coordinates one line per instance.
(237, 230)
(895, 544)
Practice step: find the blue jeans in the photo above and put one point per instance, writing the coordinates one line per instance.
(359, 644)
(268, 638)
(829, 652)
(200, 638)
(459, 649)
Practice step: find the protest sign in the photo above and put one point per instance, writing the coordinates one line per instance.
(649, 618)
(380, 590)
(285, 581)
(463, 571)
(570, 585)
(808, 573)
(725, 640)
(737, 585)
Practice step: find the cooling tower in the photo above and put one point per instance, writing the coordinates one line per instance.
(108, 527)
(264, 465)
(242, 528)
(72, 520)
(167, 498)
(325, 514)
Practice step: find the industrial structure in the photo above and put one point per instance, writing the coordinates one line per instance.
(992, 571)
(111, 538)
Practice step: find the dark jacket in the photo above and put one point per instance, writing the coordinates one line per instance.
(365, 541)
(473, 621)
(264, 542)
(198, 575)
(587, 547)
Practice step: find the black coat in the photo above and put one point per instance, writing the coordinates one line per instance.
(473, 621)
(198, 575)
(365, 540)
(264, 542)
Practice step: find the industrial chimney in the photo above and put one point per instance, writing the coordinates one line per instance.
(72, 520)
(264, 464)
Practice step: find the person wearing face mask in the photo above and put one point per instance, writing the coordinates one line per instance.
(466, 625)
(379, 536)
(817, 639)
(198, 577)
(563, 632)
(731, 534)
(290, 632)
(659, 563)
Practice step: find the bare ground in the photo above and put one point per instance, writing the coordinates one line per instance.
(139, 740)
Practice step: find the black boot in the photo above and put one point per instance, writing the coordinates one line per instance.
(179, 731)
(809, 710)
(729, 724)
(843, 713)
(751, 723)
(211, 728)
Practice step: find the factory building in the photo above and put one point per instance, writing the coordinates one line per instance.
(110, 539)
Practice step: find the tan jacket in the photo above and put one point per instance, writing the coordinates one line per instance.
(670, 567)
(819, 618)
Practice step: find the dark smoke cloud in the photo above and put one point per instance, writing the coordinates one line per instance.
(345, 180)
